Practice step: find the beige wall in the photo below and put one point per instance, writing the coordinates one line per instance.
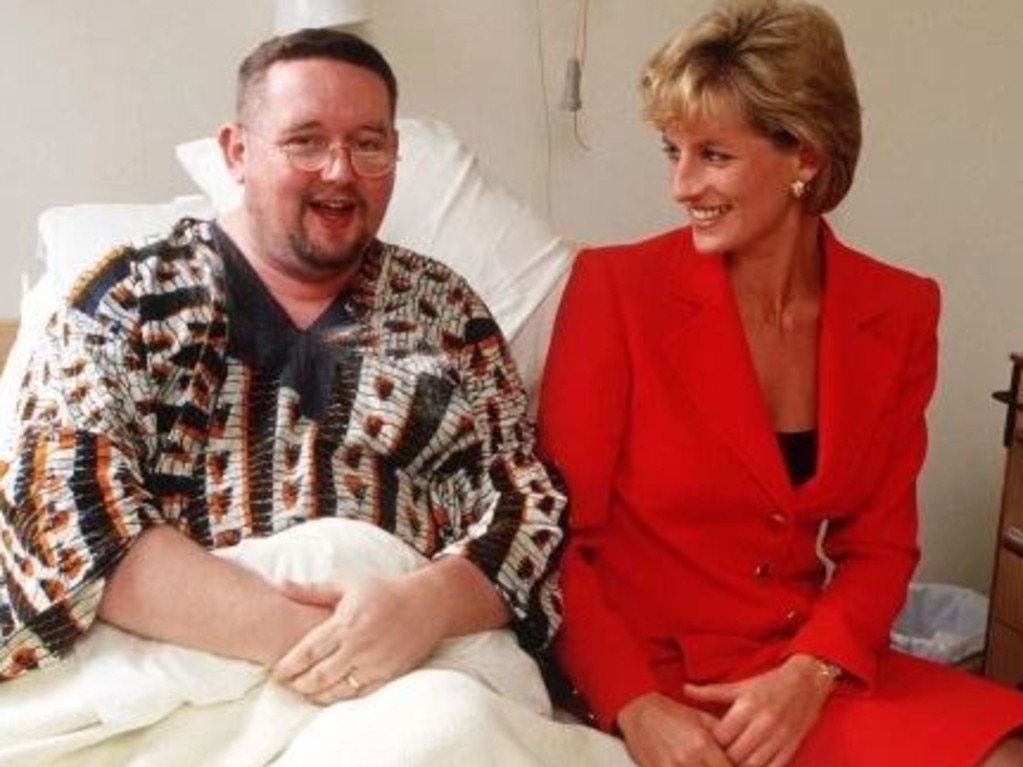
(97, 92)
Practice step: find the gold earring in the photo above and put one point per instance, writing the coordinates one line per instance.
(798, 188)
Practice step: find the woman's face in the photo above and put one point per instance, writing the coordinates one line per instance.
(735, 184)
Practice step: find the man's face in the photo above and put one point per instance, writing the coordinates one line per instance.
(312, 224)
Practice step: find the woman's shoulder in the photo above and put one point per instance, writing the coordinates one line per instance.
(876, 290)
(638, 260)
(655, 246)
(886, 281)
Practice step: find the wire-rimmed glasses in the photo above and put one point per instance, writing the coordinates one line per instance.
(369, 159)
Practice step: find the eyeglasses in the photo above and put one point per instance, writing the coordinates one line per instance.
(368, 159)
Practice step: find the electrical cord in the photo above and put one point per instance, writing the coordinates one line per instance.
(548, 142)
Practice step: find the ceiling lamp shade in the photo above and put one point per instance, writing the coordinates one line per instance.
(292, 15)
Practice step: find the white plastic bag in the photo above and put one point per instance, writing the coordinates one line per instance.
(941, 622)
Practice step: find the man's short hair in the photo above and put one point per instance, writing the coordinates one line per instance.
(335, 45)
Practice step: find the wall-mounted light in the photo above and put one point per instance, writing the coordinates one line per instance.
(291, 15)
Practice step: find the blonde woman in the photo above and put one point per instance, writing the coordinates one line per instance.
(714, 396)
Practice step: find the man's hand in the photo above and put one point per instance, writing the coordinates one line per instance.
(379, 630)
(660, 732)
(768, 715)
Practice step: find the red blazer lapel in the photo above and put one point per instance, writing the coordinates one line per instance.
(706, 350)
(857, 368)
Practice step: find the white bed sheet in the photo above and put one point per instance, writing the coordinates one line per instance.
(128, 701)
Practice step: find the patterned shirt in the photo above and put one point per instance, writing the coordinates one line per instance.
(172, 388)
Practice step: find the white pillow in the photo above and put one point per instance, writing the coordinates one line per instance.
(73, 237)
(204, 163)
(444, 206)
(36, 307)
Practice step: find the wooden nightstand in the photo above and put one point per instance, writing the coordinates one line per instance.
(1004, 661)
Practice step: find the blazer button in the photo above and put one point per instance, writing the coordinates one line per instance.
(777, 521)
(763, 570)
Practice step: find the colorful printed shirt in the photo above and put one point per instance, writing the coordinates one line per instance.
(173, 389)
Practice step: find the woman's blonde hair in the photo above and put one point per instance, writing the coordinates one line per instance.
(784, 65)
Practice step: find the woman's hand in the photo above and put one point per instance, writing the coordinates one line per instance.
(379, 630)
(768, 715)
(660, 732)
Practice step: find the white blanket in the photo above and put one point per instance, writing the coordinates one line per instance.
(127, 701)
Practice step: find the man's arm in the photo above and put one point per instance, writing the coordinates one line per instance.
(168, 587)
(78, 516)
(72, 497)
(463, 599)
(512, 524)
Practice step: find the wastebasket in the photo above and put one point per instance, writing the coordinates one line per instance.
(941, 622)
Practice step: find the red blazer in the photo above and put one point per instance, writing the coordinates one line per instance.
(691, 556)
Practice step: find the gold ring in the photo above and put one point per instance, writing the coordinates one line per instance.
(353, 681)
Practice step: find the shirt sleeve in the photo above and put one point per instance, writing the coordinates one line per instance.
(875, 549)
(583, 411)
(72, 498)
(513, 531)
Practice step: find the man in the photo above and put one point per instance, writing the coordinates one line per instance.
(275, 366)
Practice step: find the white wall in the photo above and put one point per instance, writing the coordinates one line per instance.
(99, 91)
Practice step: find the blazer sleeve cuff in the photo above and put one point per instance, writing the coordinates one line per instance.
(829, 638)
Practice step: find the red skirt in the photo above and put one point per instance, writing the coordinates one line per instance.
(919, 714)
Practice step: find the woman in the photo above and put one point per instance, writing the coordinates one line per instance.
(718, 396)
